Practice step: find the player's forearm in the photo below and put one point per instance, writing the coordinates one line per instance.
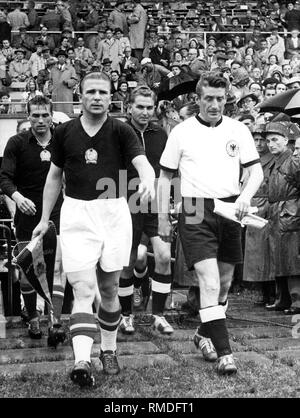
(253, 182)
(51, 191)
(144, 168)
(163, 194)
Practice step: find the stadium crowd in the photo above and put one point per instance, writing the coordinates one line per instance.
(168, 47)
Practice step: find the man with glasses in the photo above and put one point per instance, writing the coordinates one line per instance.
(25, 165)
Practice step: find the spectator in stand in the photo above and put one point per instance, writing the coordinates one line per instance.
(110, 48)
(163, 28)
(44, 76)
(5, 103)
(247, 104)
(117, 18)
(150, 41)
(91, 20)
(180, 76)
(257, 75)
(281, 88)
(283, 196)
(46, 39)
(160, 54)
(62, 81)
(124, 41)
(25, 41)
(273, 65)
(64, 45)
(121, 95)
(37, 60)
(81, 66)
(287, 72)
(52, 20)
(248, 120)
(31, 90)
(291, 19)
(276, 49)
(5, 27)
(63, 10)
(256, 89)
(82, 53)
(8, 51)
(33, 16)
(137, 27)
(257, 264)
(94, 40)
(153, 74)
(115, 77)
(292, 44)
(293, 83)
(106, 67)
(196, 64)
(129, 65)
(223, 21)
(19, 69)
(269, 92)
(17, 19)
(209, 57)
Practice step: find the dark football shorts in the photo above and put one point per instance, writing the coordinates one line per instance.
(143, 224)
(205, 234)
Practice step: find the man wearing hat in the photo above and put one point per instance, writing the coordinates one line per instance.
(153, 74)
(284, 201)
(106, 66)
(25, 41)
(293, 83)
(151, 41)
(19, 69)
(257, 267)
(44, 76)
(110, 48)
(62, 80)
(247, 103)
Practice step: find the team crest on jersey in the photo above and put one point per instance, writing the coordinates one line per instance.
(232, 148)
(45, 155)
(91, 156)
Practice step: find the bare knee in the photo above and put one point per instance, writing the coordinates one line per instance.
(109, 290)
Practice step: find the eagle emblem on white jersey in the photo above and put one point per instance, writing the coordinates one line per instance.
(232, 148)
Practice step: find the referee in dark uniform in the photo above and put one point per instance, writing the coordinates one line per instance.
(208, 150)
(25, 165)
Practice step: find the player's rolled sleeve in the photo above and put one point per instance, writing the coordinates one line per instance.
(171, 155)
(248, 153)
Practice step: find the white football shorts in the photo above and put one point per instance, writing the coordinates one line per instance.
(95, 230)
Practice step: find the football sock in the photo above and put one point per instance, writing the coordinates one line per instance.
(125, 295)
(213, 320)
(83, 329)
(109, 322)
(161, 287)
(57, 300)
(139, 275)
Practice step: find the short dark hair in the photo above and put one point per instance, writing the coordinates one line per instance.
(246, 116)
(142, 90)
(95, 75)
(210, 80)
(39, 101)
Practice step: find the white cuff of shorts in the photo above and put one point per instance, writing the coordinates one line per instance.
(212, 314)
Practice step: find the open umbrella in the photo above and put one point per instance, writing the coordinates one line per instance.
(287, 102)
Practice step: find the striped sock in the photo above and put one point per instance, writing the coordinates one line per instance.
(214, 324)
(125, 295)
(109, 322)
(57, 300)
(138, 276)
(83, 329)
(161, 287)
(29, 296)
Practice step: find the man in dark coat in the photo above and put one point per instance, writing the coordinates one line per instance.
(160, 54)
(284, 219)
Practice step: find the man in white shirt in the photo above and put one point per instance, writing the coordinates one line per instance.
(208, 150)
